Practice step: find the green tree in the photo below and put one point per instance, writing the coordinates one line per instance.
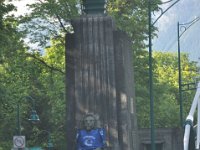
(9, 47)
(165, 79)
(189, 71)
(38, 76)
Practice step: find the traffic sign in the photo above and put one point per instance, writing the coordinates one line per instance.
(19, 142)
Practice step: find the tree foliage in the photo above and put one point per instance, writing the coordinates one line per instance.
(165, 87)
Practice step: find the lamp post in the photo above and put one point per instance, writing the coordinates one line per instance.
(150, 63)
(34, 118)
(183, 26)
(151, 80)
(18, 121)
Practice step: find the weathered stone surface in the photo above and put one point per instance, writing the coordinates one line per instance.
(99, 79)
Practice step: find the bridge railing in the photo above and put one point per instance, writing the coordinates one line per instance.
(189, 121)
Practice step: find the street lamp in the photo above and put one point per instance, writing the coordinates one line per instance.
(183, 26)
(34, 118)
(150, 63)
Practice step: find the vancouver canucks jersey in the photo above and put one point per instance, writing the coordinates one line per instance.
(90, 140)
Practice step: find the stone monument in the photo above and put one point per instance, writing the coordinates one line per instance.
(99, 78)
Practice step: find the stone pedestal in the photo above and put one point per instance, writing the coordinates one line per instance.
(99, 79)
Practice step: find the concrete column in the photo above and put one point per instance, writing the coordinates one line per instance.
(99, 79)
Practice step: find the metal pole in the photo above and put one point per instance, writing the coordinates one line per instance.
(33, 101)
(151, 80)
(151, 70)
(180, 78)
(185, 26)
(18, 121)
(49, 141)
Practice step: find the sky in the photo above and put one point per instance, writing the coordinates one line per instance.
(22, 9)
(21, 6)
(183, 12)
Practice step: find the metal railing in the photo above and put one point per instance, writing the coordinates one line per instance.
(189, 121)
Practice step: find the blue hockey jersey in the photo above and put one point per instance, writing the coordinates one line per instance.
(90, 140)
